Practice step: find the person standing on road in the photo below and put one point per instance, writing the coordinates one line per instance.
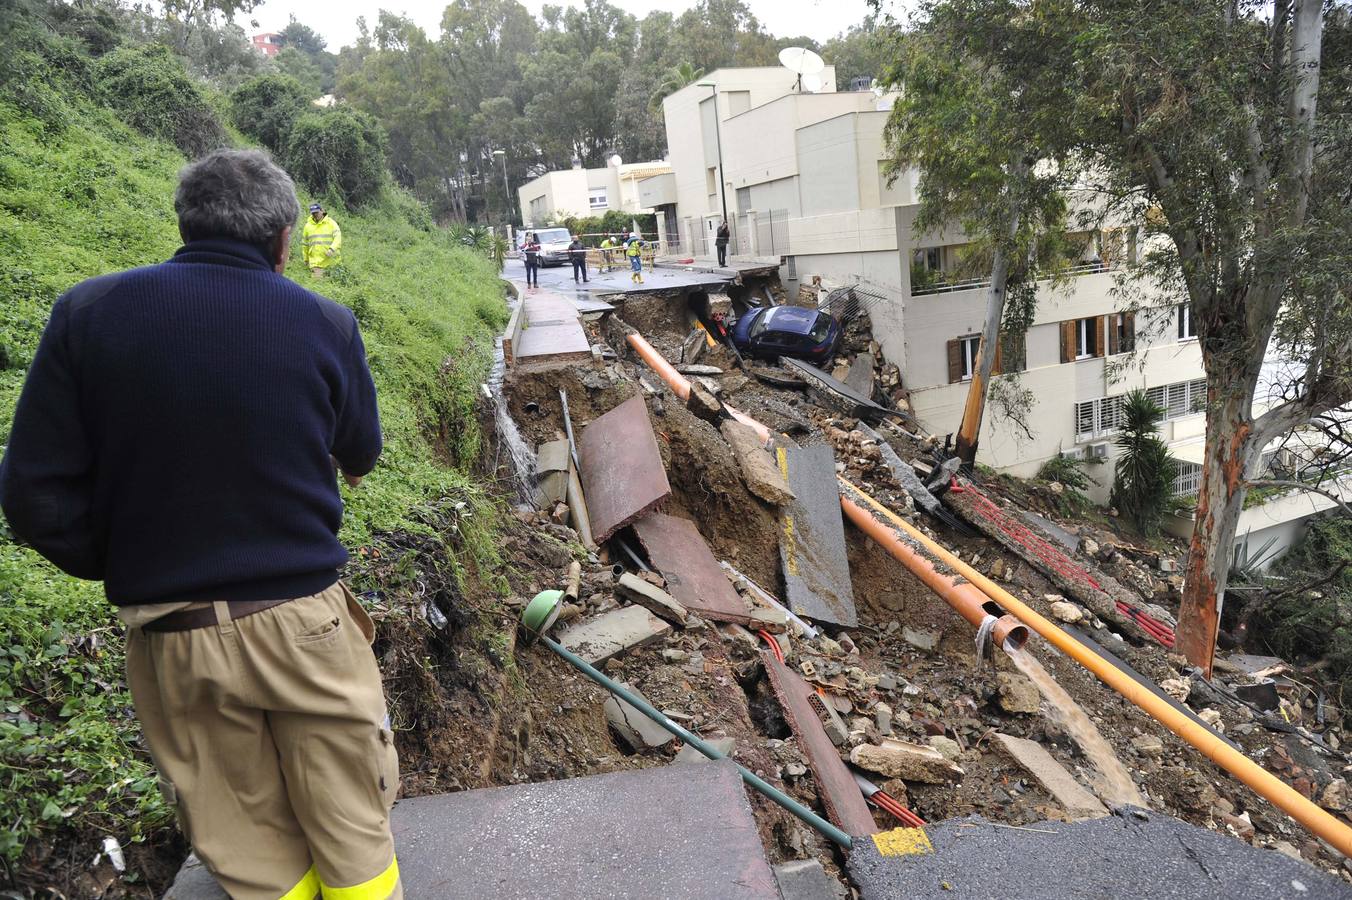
(633, 248)
(178, 438)
(608, 244)
(577, 252)
(721, 242)
(531, 248)
(322, 241)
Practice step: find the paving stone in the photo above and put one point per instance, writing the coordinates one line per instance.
(622, 473)
(688, 754)
(805, 879)
(650, 597)
(637, 730)
(599, 638)
(762, 477)
(1073, 797)
(694, 578)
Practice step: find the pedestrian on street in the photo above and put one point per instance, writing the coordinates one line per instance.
(634, 249)
(608, 244)
(577, 252)
(531, 248)
(176, 439)
(322, 241)
(721, 242)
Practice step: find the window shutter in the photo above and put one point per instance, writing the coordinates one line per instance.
(1068, 341)
(1129, 332)
(1098, 335)
(954, 362)
(1114, 345)
(999, 366)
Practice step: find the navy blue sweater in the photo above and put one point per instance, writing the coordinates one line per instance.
(174, 434)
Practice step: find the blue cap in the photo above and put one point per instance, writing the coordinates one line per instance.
(315, 207)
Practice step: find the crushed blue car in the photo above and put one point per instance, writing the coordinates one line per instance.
(769, 332)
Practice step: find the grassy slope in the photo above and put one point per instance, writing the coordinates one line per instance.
(97, 198)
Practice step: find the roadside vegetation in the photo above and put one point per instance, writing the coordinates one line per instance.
(86, 184)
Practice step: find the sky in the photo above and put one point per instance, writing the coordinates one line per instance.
(336, 20)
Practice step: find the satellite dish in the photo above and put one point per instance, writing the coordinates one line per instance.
(801, 62)
(616, 160)
(812, 83)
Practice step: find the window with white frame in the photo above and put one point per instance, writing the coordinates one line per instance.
(1098, 418)
(1086, 338)
(596, 198)
(1185, 330)
(1187, 479)
(968, 347)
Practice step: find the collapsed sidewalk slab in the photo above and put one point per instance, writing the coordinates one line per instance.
(835, 394)
(758, 469)
(812, 538)
(841, 797)
(694, 578)
(622, 473)
(576, 839)
(610, 634)
(1034, 758)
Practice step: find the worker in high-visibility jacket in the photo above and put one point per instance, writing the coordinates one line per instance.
(322, 241)
(633, 248)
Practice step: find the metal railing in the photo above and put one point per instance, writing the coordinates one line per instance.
(941, 286)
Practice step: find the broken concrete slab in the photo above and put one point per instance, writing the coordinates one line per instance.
(688, 754)
(839, 794)
(805, 879)
(860, 377)
(650, 597)
(907, 761)
(759, 471)
(1131, 854)
(699, 370)
(704, 404)
(622, 473)
(633, 727)
(694, 578)
(1033, 757)
(812, 538)
(836, 394)
(553, 460)
(599, 638)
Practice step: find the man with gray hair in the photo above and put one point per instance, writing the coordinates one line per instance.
(177, 438)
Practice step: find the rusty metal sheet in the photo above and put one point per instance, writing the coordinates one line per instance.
(693, 576)
(842, 798)
(812, 538)
(622, 474)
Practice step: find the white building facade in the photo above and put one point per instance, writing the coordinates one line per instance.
(556, 195)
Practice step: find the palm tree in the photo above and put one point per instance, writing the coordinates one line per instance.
(674, 79)
(1144, 479)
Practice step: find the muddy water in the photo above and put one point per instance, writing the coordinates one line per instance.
(1111, 780)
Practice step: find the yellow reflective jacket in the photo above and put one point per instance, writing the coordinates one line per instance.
(317, 238)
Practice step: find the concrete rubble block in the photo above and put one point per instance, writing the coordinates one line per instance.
(1335, 795)
(1148, 745)
(633, 727)
(704, 404)
(688, 755)
(692, 348)
(860, 375)
(610, 634)
(650, 597)
(1067, 612)
(775, 621)
(921, 640)
(622, 474)
(805, 879)
(945, 745)
(699, 370)
(1073, 797)
(907, 761)
(1017, 694)
(762, 476)
(552, 463)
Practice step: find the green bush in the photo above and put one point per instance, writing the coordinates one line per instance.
(266, 107)
(1144, 480)
(339, 153)
(154, 94)
(613, 222)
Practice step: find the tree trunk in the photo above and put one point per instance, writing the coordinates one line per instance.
(1220, 500)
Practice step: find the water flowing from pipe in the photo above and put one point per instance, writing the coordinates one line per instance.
(509, 439)
(1112, 782)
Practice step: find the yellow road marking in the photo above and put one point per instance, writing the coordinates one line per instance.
(903, 842)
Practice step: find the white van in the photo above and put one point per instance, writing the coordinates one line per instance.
(553, 245)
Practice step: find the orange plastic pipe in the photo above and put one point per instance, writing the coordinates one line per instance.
(680, 385)
(969, 602)
(1263, 782)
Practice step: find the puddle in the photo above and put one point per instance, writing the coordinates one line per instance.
(1112, 782)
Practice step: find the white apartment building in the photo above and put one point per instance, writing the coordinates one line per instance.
(802, 177)
(586, 192)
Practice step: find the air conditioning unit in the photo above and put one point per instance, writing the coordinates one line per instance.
(1097, 451)
(1073, 453)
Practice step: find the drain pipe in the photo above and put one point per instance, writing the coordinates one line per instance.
(965, 599)
(680, 385)
(1263, 782)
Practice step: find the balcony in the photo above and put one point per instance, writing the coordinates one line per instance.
(921, 285)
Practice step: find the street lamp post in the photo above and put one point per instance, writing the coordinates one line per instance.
(506, 191)
(718, 142)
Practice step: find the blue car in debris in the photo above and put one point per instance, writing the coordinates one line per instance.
(769, 332)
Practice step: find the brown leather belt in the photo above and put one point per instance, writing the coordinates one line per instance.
(201, 617)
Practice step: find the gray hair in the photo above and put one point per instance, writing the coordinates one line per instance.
(239, 194)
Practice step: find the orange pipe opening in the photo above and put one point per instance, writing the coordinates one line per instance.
(1263, 782)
